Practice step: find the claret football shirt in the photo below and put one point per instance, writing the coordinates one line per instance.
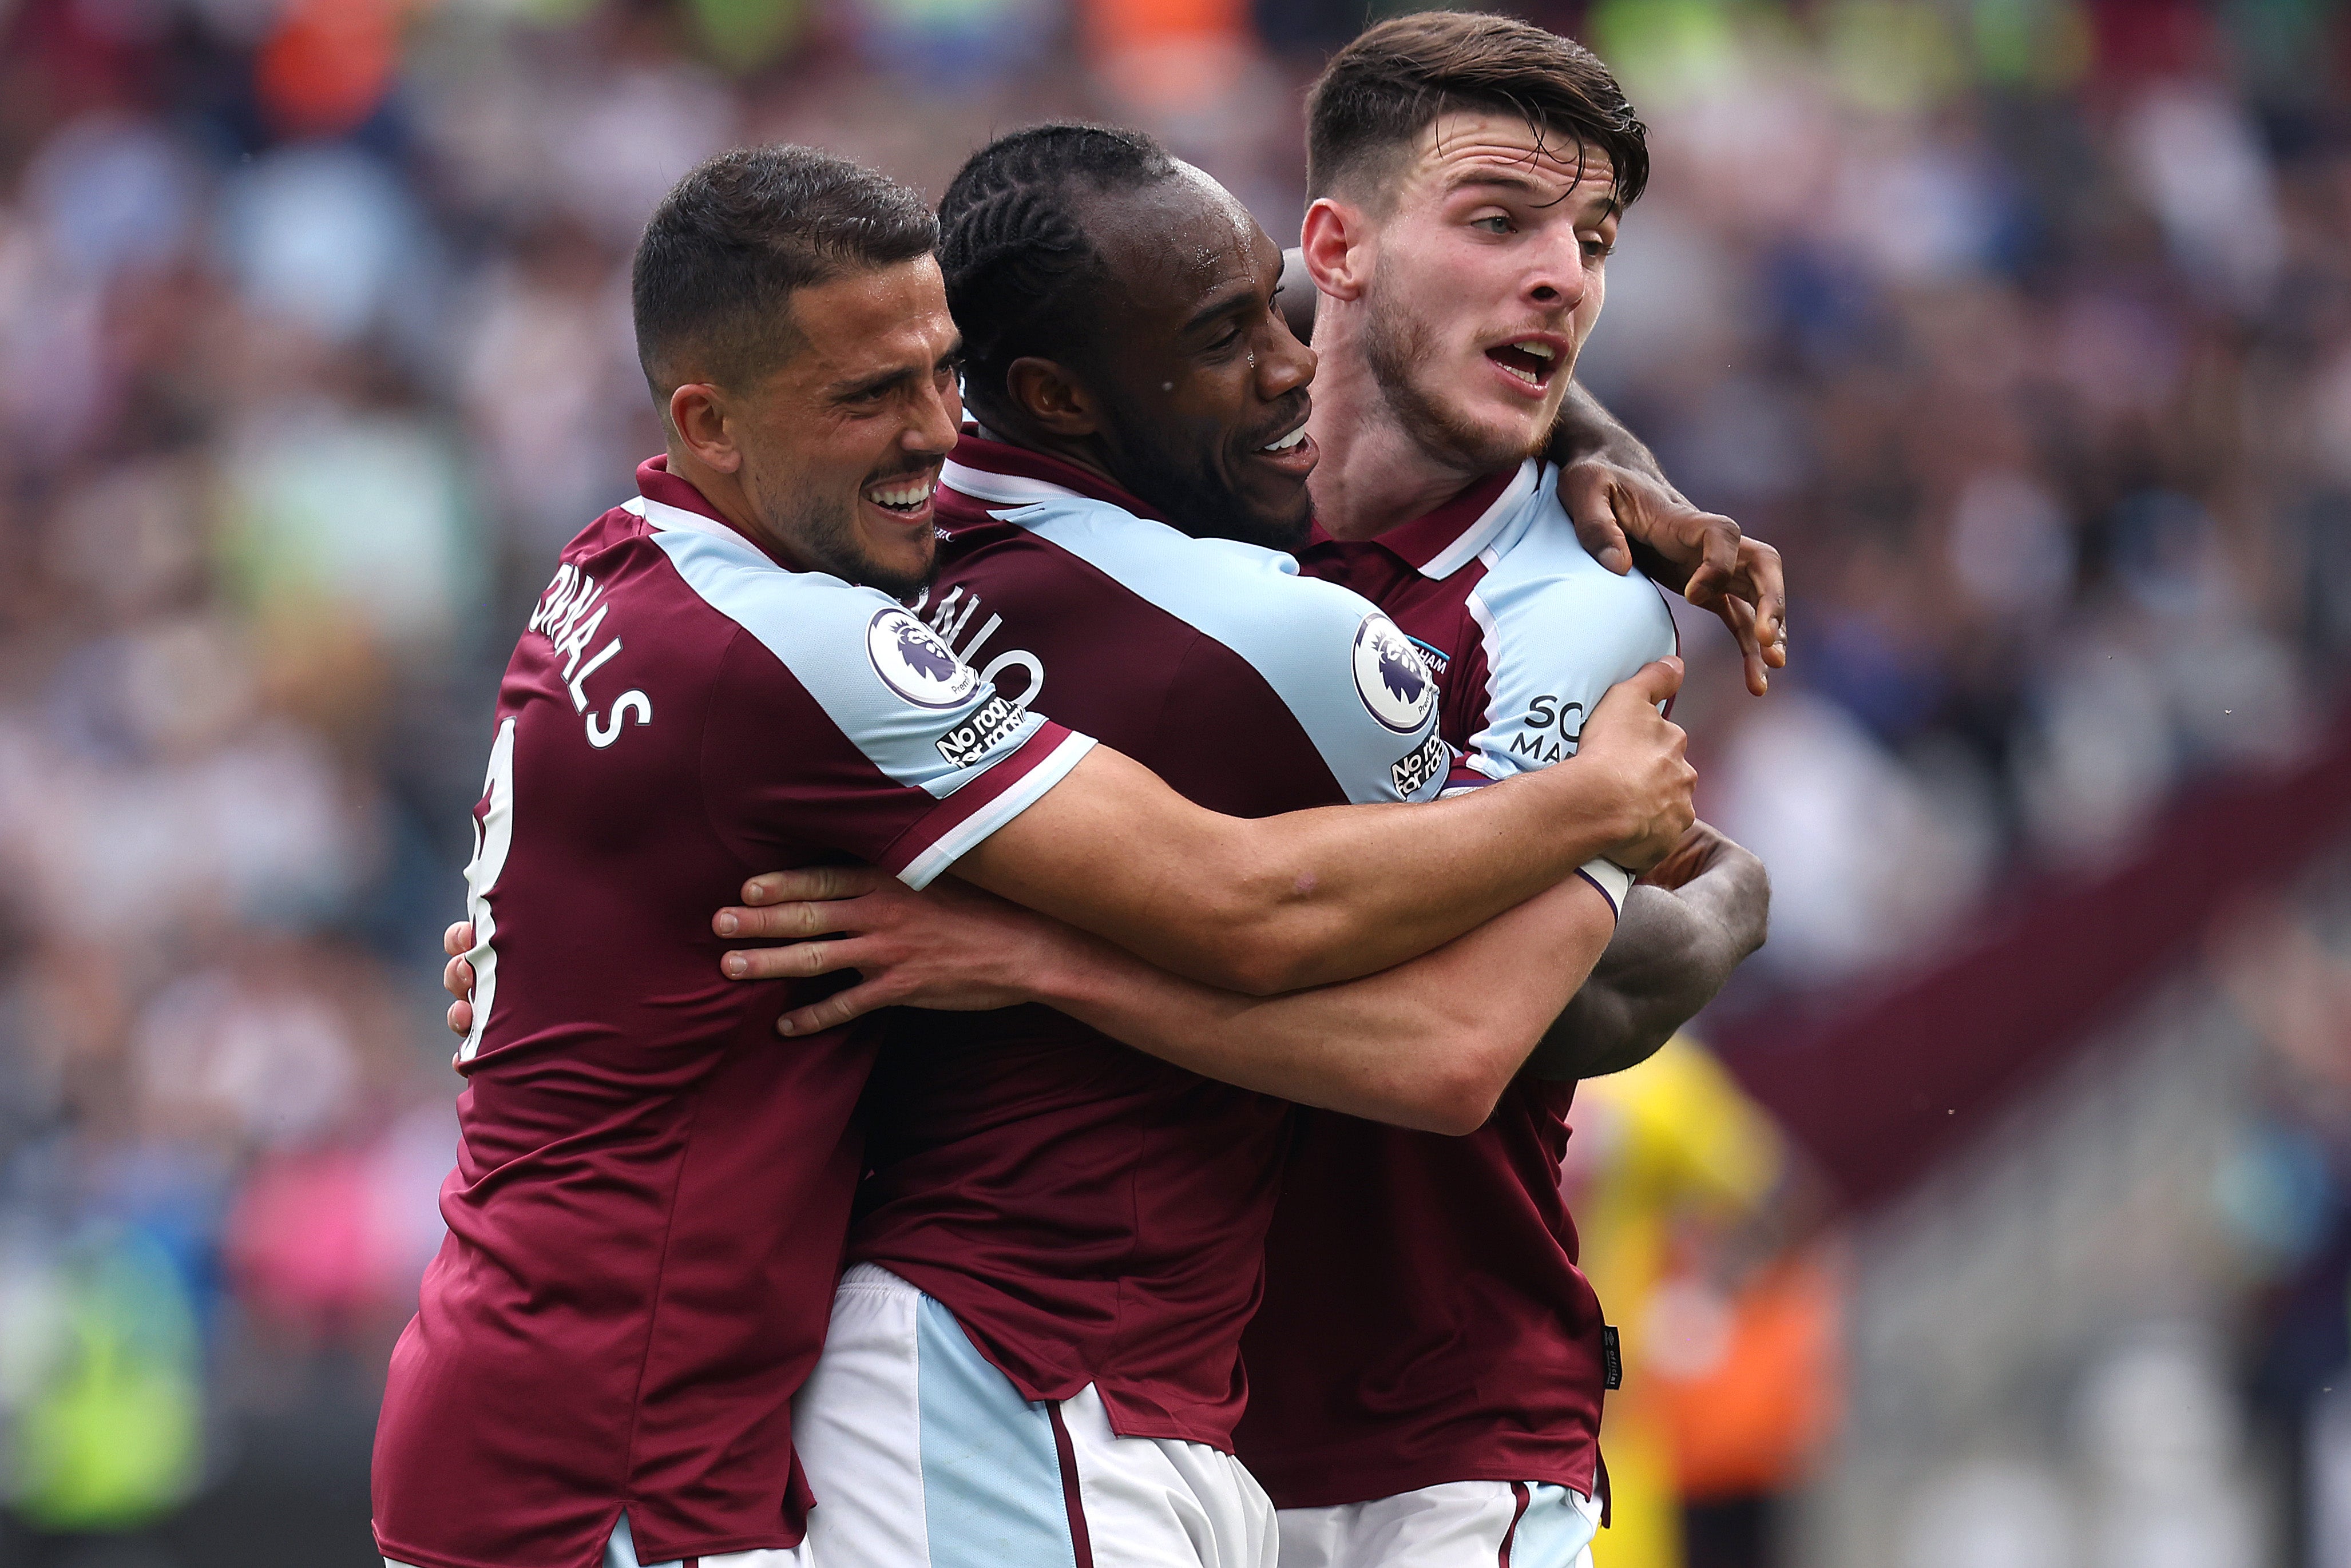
(1424, 1318)
(1089, 1213)
(646, 1218)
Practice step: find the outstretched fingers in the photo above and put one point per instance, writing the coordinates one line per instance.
(794, 921)
(799, 961)
(836, 1009)
(1752, 597)
(813, 882)
(457, 980)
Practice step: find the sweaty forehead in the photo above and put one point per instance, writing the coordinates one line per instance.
(1170, 243)
(1464, 146)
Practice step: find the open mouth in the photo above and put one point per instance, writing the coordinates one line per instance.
(1530, 360)
(1293, 452)
(905, 495)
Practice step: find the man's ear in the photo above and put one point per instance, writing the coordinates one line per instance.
(697, 413)
(1052, 397)
(1336, 245)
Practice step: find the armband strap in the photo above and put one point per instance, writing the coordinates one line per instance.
(1613, 880)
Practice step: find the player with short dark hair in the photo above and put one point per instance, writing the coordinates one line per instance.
(1377, 95)
(994, 1185)
(1060, 1238)
(1427, 1370)
(1429, 1365)
(646, 1216)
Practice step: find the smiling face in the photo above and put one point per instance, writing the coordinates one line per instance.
(843, 443)
(1487, 254)
(1201, 389)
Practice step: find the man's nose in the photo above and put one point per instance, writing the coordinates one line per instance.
(1559, 279)
(1283, 364)
(936, 420)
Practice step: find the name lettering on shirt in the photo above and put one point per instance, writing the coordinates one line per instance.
(955, 611)
(569, 617)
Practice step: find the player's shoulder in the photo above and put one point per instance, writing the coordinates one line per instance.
(1249, 598)
(805, 619)
(1538, 574)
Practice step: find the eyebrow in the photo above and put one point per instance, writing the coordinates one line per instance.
(1244, 292)
(843, 391)
(1473, 178)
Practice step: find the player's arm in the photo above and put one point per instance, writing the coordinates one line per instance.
(1278, 903)
(1687, 925)
(1431, 1043)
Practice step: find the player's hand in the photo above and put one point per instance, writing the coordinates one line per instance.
(457, 978)
(1644, 753)
(1738, 579)
(951, 947)
(1700, 849)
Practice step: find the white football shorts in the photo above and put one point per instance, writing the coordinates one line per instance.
(621, 1552)
(1460, 1525)
(922, 1455)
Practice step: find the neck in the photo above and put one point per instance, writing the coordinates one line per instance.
(1372, 475)
(1079, 451)
(725, 493)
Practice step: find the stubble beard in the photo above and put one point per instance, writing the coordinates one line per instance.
(1196, 497)
(825, 539)
(1398, 345)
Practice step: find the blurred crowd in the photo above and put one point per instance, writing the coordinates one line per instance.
(2022, 327)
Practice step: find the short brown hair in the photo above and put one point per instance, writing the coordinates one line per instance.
(1380, 92)
(741, 233)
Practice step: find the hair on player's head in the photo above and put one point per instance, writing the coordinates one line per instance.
(1380, 92)
(1021, 271)
(721, 256)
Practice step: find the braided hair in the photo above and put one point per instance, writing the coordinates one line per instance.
(1021, 271)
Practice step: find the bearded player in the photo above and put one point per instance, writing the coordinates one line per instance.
(1429, 1366)
(962, 1381)
(645, 1221)
(1602, 619)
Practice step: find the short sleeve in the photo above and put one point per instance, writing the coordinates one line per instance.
(1556, 629)
(1354, 682)
(841, 722)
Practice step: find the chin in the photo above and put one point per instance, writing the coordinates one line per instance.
(899, 574)
(1490, 444)
(1286, 532)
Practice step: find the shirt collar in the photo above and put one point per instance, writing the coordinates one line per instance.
(669, 503)
(1439, 543)
(1008, 475)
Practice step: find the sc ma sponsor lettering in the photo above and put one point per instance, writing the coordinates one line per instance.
(1552, 730)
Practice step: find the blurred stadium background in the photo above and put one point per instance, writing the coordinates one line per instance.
(2005, 1225)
